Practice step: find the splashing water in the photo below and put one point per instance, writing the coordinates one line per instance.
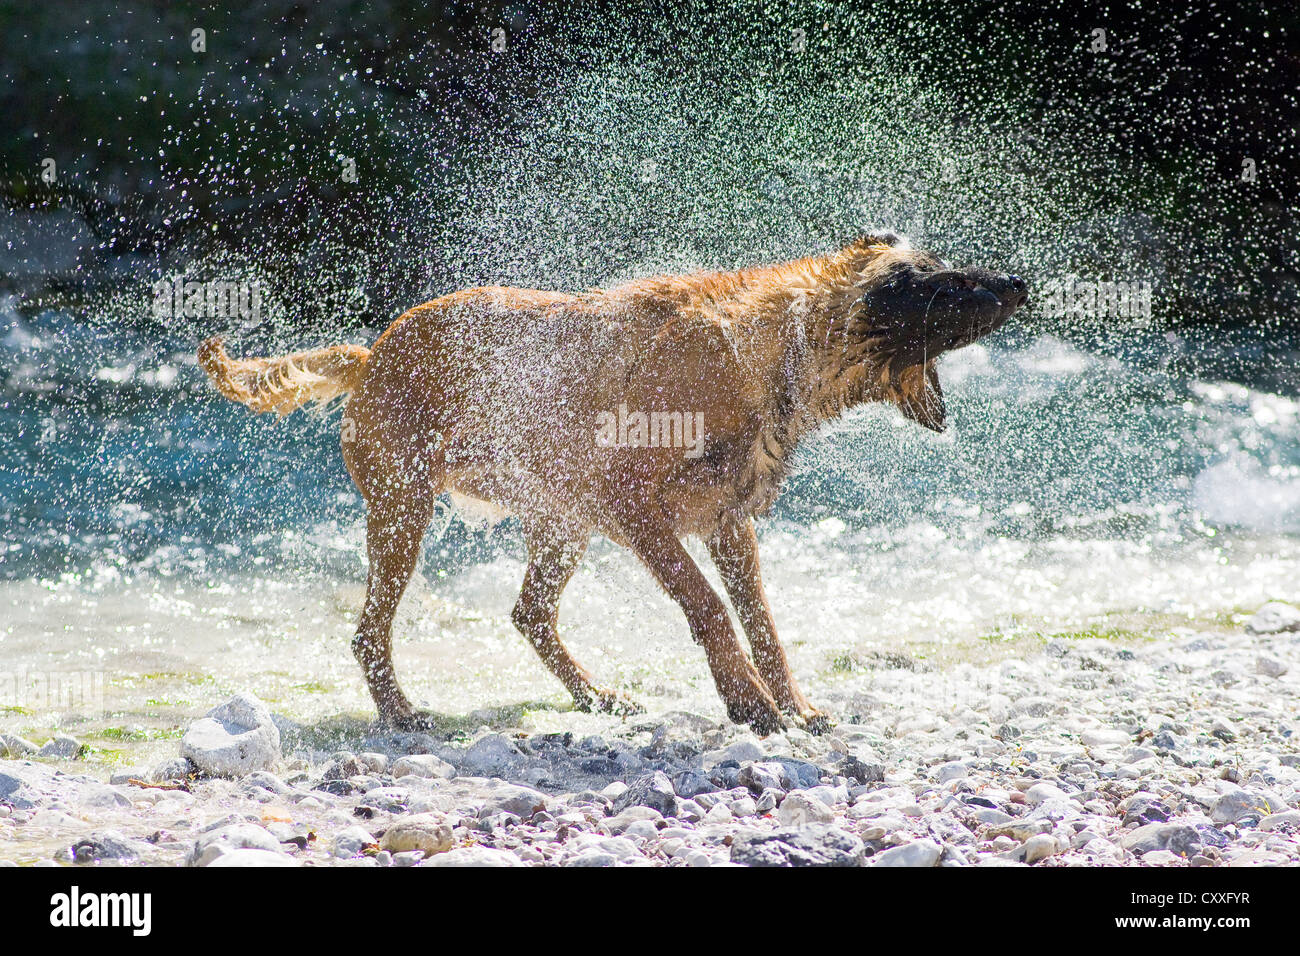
(1101, 477)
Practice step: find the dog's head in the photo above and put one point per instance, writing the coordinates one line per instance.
(915, 307)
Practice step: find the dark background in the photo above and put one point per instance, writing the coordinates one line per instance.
(168, 157)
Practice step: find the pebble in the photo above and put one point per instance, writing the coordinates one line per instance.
(1039, 847)
(428, 833)
(653, 790)
(1270, 666)
(350, 842)
(422, 765)
(1166, 753)
(798, 809)
(919, 853)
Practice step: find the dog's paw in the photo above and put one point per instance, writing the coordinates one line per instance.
(762, 716)
(816, 722)
(619, 705)
(413, 721)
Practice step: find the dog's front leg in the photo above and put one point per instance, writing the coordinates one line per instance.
(739, 684)
(734, 548)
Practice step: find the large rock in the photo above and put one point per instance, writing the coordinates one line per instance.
(235, 738)
(815, 845)
(62, 747)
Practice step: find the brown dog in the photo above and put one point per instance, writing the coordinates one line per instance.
(661, 408)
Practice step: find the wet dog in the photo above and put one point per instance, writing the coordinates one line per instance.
(648, 412)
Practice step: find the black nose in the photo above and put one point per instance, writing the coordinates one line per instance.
(1015, 291)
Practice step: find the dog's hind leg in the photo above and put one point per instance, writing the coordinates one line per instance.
(395, 526)
(554, 552)
(747, 698)
(734, 548)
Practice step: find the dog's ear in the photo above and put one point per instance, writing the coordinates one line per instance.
(922, 402)
(884, 237)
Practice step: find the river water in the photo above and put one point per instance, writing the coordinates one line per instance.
(162, 548)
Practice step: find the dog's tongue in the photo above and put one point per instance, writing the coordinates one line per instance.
(927, 408)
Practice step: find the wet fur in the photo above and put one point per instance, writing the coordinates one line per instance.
(489, 393)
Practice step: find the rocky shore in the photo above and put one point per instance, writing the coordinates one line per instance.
(1177, 752)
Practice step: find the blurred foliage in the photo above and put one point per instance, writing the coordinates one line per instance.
(171, 154)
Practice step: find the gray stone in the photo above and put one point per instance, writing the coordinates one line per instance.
(425, 832)
(863, 771)
(1041, 792)
(1242, 804)
(1040, 847)
(1270, 666)
(217, 842)
(374, 762)
(763, 775)
(1185, 841)
(523, 802)
(388, 799)
(475, 856)
(106, 845)
(620, 822)
(653, 790)
(16, 747)
(234, 738)
(176, 768)
(491, 756)
(62, 747)
(423, 765)
(798, 809)
(252, 857)
(350, 842)
(815, 845)
(342, 766)
(1274, 618)
(1105, 737)
(691, 783)
(1287, 819)
(953, 770)
(919, 853)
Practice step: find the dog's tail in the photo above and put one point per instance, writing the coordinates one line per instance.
(283, 384)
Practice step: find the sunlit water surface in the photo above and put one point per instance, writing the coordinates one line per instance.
(176, 548)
